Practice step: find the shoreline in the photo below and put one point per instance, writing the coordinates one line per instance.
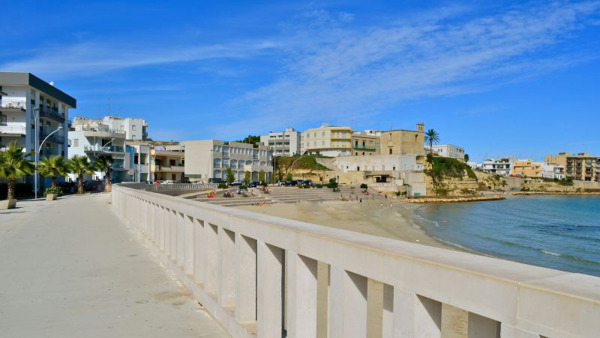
(553, 193)
(396, 221)
(454, 199)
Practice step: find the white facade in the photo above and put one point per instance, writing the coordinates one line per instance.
(500, 166)
(448, 150)
(208, 160)
(284, 143)
(377, 163)
(92, 142)
(26, 100)
(134, 128)
(330, 141)
(553, 171)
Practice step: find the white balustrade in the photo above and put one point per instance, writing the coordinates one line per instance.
(261, 276)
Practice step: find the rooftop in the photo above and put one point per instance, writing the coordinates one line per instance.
(28, 79)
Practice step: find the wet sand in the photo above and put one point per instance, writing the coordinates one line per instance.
(371, 218)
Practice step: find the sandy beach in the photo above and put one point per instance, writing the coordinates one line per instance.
(371, 218)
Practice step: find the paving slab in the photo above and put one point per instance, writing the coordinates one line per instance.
(70, 268)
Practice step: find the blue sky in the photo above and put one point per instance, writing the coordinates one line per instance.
(503, 78)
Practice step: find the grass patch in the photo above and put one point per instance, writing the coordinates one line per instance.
(308, 162)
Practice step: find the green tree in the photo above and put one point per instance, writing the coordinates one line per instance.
(261, 176)
(466, 157)
(289, 177)
(247, 178)
(53, 167)
(80, 165)
(103, 163)
(230, 177)
(251, 139)
(14, 165)
(431, 137)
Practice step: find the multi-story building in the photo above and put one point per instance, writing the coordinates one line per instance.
(526, 168)
(448, 150)
(365, 143)
(560, 159)
(500, 166)
(134, 128)
(27, 101)
(208, 160)
(138, 160)
(583, 167)
(327, 141)
(283, 143)
(403, 142)
(553, 171)
(169, 160)
(93, 140)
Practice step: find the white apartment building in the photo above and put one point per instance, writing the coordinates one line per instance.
(447, 150)
(134, 128)
(500, 166)
(137, 161)
(27, 101)
(553, 171)
(97, 139)
(377, 163)
(208, 160)
(327, 140)
(283, 143)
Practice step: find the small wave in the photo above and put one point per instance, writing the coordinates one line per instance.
(551, 253)
(427, 220)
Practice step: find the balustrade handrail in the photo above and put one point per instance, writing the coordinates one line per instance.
(233, 259)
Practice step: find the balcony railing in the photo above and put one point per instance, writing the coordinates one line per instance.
(13, 104)
(13, 130)
(360, 147)
(113, 149)
(57, 137)
(51, 113)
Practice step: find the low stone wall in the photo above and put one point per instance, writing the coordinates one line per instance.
(455, 199)
(243, 267)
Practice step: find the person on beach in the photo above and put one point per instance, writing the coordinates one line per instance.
(361, 201)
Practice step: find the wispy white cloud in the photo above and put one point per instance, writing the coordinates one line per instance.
(347, 73)
(89, 58)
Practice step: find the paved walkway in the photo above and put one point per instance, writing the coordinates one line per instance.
(69, 268)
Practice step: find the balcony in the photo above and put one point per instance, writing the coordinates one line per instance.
(109, 149)
(359, 147)
(51, 113)
(13, 130)
(56, 137)
(169, 168)
(13, 105)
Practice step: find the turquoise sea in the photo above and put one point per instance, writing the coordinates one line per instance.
(558, 232)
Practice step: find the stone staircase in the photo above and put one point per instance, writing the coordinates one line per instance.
(276, 195)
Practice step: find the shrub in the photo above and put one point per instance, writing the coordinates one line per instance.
(222, 185)
(56, 191)
(306, 186)
(319, 186)
(332, 184)
(364, 186)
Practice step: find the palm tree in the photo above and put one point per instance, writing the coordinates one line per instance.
(14, 165)
(80, 165)
(103, 163)
(431, 137)
(53, 167)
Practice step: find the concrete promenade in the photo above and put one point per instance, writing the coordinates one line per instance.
(69, 268)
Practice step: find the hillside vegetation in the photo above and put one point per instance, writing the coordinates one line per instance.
(306, 162)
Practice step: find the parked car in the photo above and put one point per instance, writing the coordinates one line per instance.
(167, 182)
(253, 185)
(236, 183)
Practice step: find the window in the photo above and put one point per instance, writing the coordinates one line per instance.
(3, 120)
(76, 142)
(133, 127)
(390, 151)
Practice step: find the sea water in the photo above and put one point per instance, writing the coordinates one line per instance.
(558, 232)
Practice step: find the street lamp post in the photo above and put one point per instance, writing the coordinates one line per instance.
(37, 154)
